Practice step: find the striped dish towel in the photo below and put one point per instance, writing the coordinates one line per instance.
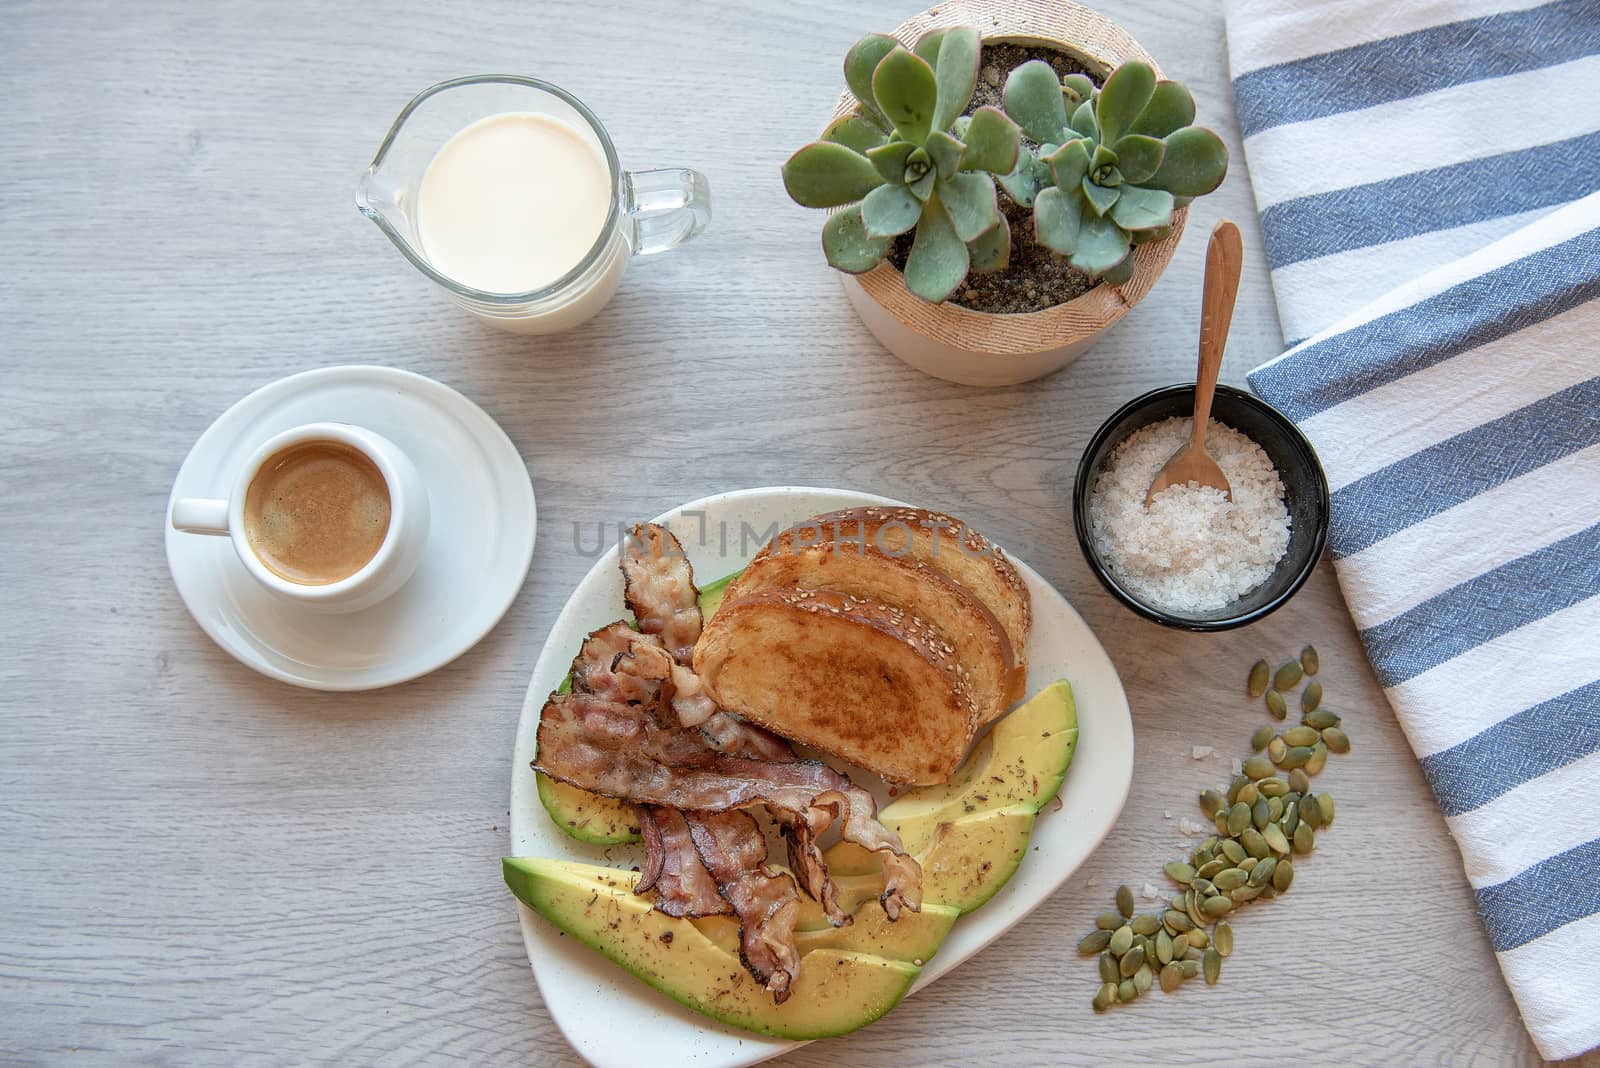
(1389, 137)
(1452, 387)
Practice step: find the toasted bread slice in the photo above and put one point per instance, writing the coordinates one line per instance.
(943, 543)
(865, 681)
(982, 646)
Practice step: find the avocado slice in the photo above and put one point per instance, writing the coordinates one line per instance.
(605, 820)
(965, 864)
(1021, 762)
(970, 833)
(837, 991)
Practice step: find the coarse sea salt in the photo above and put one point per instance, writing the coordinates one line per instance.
(1193, 550)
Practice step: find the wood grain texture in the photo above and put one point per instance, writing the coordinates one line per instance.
(203, 866)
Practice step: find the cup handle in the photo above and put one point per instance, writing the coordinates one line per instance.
(665, 207)
(201, 515)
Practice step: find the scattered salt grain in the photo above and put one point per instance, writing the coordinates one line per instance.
(1200, 752)
(1192, 550)
(1152, 892)
(1167, 814)
(1238, 766)
(1190, 829)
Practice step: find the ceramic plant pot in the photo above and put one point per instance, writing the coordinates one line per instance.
(979, 348)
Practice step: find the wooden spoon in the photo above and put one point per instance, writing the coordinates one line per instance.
(1191, 463)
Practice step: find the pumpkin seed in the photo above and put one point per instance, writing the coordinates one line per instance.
(1195, 912)
(1283, 876)
(1254, 843)
(1108, 968)
(1212, 962)
(1211, 868)
(1217, 906)
(1274, 809)
(1325, 806)
(1239, 782)
(1273, 787)
(1171, 976)
(1317, 760)
(1109, 921)
(1131, 962)
(1304, 840)
(1222, 822)
(1248, 795)
(1179, 872)
(1095, 942)
(1190, 968)
(1259, 740)
(1125, 901)
(1248, 863)
(1204, 887)
(1299, 781)
(1242, 894)
(1258, 767)
(1259, 813)
(1311, 811)
(1261, 874)
(1309, 660)
(1321, 718)
(1311, 696)
(1119, 941)
(1277, 841)
(1178, 921)
(1143, 977)
(1301, 735)
(1336, 740)
(1297, 756)
(1223, 939)
(1275, 750)
(1291, 818)
(1211, 802)
(1105, 997)
(1232, 877)
(1260, 672)
(1233, 851)
(1181, 943)
(1147, 924)
(1276, 704)
(1163, 947)
(1197, 940)
(1238, 818)
(1126, 991)
(1288, 675)
(1194, 955)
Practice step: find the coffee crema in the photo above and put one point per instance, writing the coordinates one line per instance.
(316, 512)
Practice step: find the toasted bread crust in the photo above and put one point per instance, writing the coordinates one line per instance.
(943, 543)
(862, 680)
(980, 641)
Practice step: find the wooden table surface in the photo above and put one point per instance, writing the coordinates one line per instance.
(204, 866)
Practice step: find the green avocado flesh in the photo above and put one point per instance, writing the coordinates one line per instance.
(603, 820)
(837, 991)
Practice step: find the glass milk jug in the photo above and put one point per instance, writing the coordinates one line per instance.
(650, 211)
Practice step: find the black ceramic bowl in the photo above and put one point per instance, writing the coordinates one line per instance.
(1305, 491)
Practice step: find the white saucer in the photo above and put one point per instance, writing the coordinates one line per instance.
(479, 543)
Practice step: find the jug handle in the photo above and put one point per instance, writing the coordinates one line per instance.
(664, 208)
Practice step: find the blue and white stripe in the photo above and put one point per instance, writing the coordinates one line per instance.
(1413, 165)
(1386, 139)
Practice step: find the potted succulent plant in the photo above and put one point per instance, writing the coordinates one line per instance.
(997, 202)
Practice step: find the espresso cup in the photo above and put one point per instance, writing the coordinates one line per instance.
(307, 517)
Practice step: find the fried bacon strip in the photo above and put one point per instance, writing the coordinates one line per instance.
(658, 585)
(621, 751)
(734, 851)
(673, 867)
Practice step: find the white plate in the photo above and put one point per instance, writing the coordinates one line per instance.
(480, 538)
(612, 1018)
